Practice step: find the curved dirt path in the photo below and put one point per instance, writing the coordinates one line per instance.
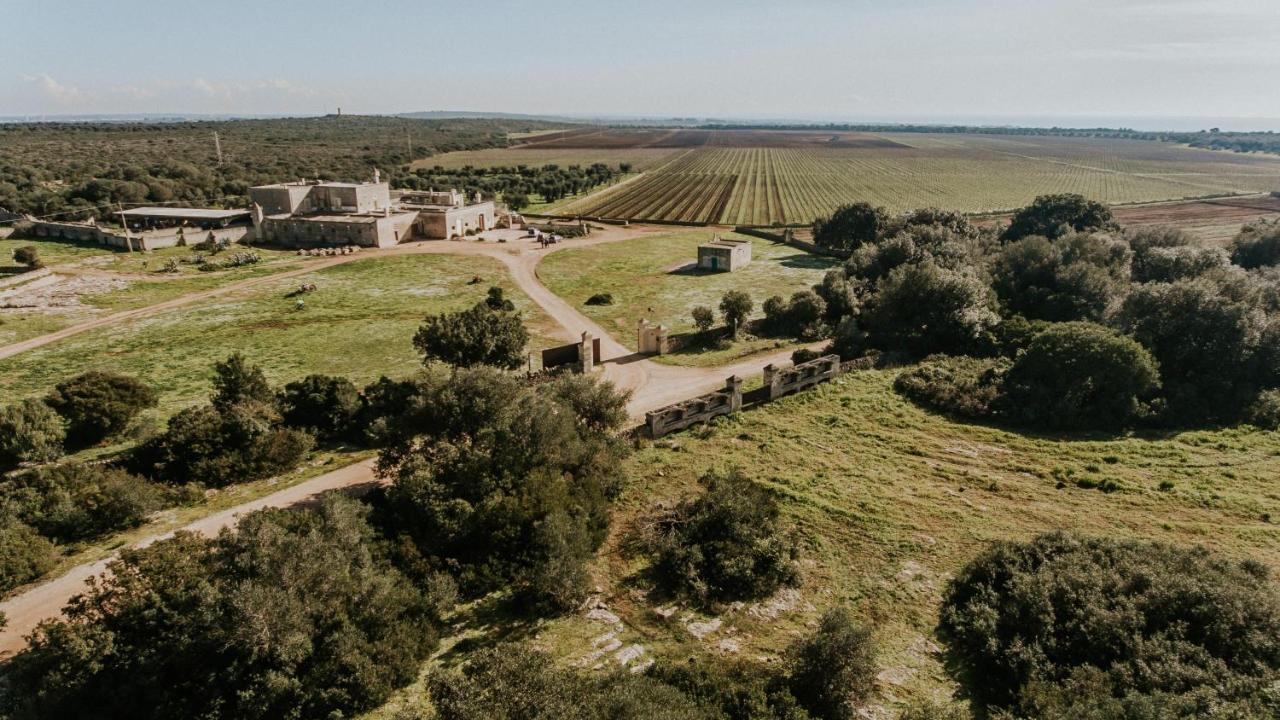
(652, 385)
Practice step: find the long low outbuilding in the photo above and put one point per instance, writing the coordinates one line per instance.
(152, 217)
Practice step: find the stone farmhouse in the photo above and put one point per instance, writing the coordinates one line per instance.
(447, 215)
(726, 255)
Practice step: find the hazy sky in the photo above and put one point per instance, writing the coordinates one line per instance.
(846, 59)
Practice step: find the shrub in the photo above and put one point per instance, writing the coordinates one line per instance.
(24, 555)
(925, 309)
(1257, 245)
(838, 294)
(495, 299)
(727, 544)
(834, 668)
(600, 299)
(852, 226)
(962, 386)
(1203, 333)
(1054, 215)
(30, 431)
(290, 615)
(804, 355)
(382, 403)
(28, 255)
(98, 405)
(514, 682)
(703, 318)
(1080, 376)
(504, 484)
(479, 336)
(221, 446)
(735, 306)
(1073, 277)
(802, 316)
(1265, 410)
(236, 381)
(1153, 620)
(324, 405)
(77, 501)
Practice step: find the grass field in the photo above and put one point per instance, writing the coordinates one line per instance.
(652, 277)
(359, 323)
(106, 280)
(890, 500)
(768, 177)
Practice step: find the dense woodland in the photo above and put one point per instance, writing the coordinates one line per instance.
(48, 168)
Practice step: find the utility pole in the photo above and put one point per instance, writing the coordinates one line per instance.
(128, 240)
(408, 138)
(217, 146)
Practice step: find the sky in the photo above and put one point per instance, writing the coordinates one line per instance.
(1070, 61)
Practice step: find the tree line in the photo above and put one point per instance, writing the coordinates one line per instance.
(516, 184)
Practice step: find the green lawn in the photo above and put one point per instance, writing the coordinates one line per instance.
(359, 323)
(654, 277)
(52, 252)
(890, 500)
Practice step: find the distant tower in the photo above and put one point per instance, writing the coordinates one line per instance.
(339, 112)
(377, 176)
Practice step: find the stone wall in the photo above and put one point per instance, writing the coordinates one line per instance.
(696, 410)
(784, 381)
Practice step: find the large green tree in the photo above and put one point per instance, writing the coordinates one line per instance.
(30, 431)
(98, 405)
(1053, 215)
(481, 335)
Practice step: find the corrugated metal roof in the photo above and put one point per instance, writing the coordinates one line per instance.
(184, 213)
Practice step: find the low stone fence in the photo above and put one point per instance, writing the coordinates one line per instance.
(788, 237)
(696, 410)
(89, 232)
(777, 382)
(784, 381)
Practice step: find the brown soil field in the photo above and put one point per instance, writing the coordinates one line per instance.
(690, 138)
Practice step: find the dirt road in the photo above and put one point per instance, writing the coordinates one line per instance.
(652, 385)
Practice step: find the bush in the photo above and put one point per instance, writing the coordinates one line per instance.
(479, 336)
(514, 682)
(1204, 334)
(506, 485)
(834, 668)
(99, 405)
(236, 381)
(735, 306)
(323, 405)
(1054, 215)
(803, 316)
(852, 226)
(495, 299)
(77, 501)
(703, 318)
(1152, 620)
(1265, 410)
(964, 387)
(1072, 278)
(24, 555)
(804, 355)
(1257, 245)
(221, 446)
(727, 544)
(1078, 376)
(1167, 254)
(925, 309)
(382, 403)
(28, 255)
(600, 299)
(30, 431)
(290, 615)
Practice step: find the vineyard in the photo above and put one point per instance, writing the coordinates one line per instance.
(777, 177)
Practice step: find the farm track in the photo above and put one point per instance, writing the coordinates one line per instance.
(651, 386)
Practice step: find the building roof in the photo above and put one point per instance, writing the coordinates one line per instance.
(184, 213)
(723, 243)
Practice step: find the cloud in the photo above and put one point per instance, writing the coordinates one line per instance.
(54, 89)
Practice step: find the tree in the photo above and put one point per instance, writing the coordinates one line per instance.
(28, 255)
(1074, 277)
(1257, 245)
(921, 309)
(24, 554)
(292, 615)
(98, 405)
(834, 668)
(1167, 254)
(1080, 376)
(478, 336)
(1053, 215)
(30, 431)
(735, 306)
(852, 226)
(495, 299)
(1204, 334)
(321, 404)
(516, 200)
(1150, 620)
(236, 381)
(78, 501)
(728, 544)
(703, 318)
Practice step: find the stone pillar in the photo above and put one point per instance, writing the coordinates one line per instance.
(642, 337)
(734, 386)
(772, 380)
(586, 354)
